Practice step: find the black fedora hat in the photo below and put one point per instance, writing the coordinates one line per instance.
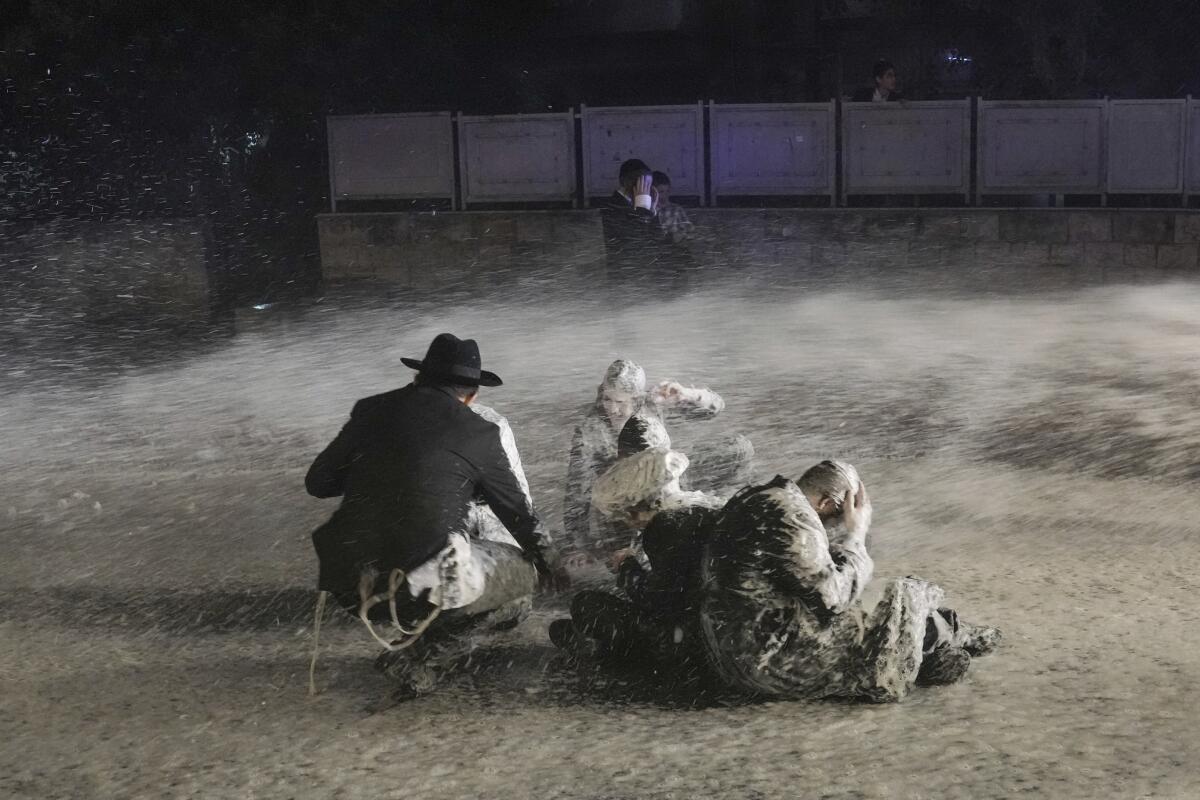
(453, 359)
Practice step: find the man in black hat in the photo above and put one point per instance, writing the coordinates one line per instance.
(408, 466)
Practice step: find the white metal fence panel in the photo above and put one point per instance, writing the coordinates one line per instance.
(910, 148)
(390, 156)
(517, 158)
(772, 149)
(1145, 146)
(668, 138)
(1044, 146)
(1193, 146)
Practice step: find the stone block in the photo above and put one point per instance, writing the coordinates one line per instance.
(991, 254)
(877, 254)
(1029, 255)
(984, 226)
(1034, 227)
(945, 226)
(830, 255)
(1140, 256)
(794, 255)
(1181, 257)
(393, 274)
(1103, 255)
(1070, 255)
(1089, 226)
(890, 225)
(846, 226)
(1187, 227)
(1151, 227)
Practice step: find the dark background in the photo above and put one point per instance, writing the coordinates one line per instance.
(136, 108)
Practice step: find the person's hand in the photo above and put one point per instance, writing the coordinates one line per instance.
(668, 393)
(856, 515)
(578, 561)
(614, 561)
(643, 185)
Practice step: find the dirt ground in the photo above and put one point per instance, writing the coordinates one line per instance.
(1036, 453)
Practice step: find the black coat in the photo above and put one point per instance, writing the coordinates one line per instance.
(637, 249)
(674, 543)
(408, 464)
(867, 95)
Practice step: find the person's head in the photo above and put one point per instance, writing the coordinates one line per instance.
(622, 392)
(462, 391)
(662, 184)
(885, 76)
(642, 433)
(826, 484)
(453, 365)
(638, 487)
(631, 170)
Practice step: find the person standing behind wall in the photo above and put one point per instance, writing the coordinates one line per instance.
(632, 233)
(884, 89)
(673, 218)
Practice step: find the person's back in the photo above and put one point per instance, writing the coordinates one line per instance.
(409, 482)
(410, 464)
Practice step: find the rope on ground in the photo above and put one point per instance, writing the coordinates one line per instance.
(312, 665)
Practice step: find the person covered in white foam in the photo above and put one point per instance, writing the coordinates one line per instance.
(782, 612)
(649, 622)
(623, 394)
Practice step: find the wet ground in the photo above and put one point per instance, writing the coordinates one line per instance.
(1031, 443)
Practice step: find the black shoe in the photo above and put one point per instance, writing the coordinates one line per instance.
(566, 637)
(944, 666)
(563, 634)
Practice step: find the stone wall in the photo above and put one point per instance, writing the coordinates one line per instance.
(475, 249)
(150, 273)
(460, 250)
(1166, 240)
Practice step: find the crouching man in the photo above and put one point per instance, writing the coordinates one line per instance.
(402, 547)
(782, 615)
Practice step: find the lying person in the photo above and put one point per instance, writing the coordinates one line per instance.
(621, 395)
(782, 615)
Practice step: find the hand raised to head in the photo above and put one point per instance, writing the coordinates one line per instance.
(855, 515)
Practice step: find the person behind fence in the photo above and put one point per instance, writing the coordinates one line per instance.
(643, 260)
(650, 622)
(408, 465)
(671, 217)
(884, 88)
(724, 463)
(632, 233)
(782, 614)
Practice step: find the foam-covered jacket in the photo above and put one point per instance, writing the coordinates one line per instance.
(594, 451)
(782, 615)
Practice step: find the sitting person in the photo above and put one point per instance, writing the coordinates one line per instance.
(621, 395)
(651, 624)
(782, 614)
